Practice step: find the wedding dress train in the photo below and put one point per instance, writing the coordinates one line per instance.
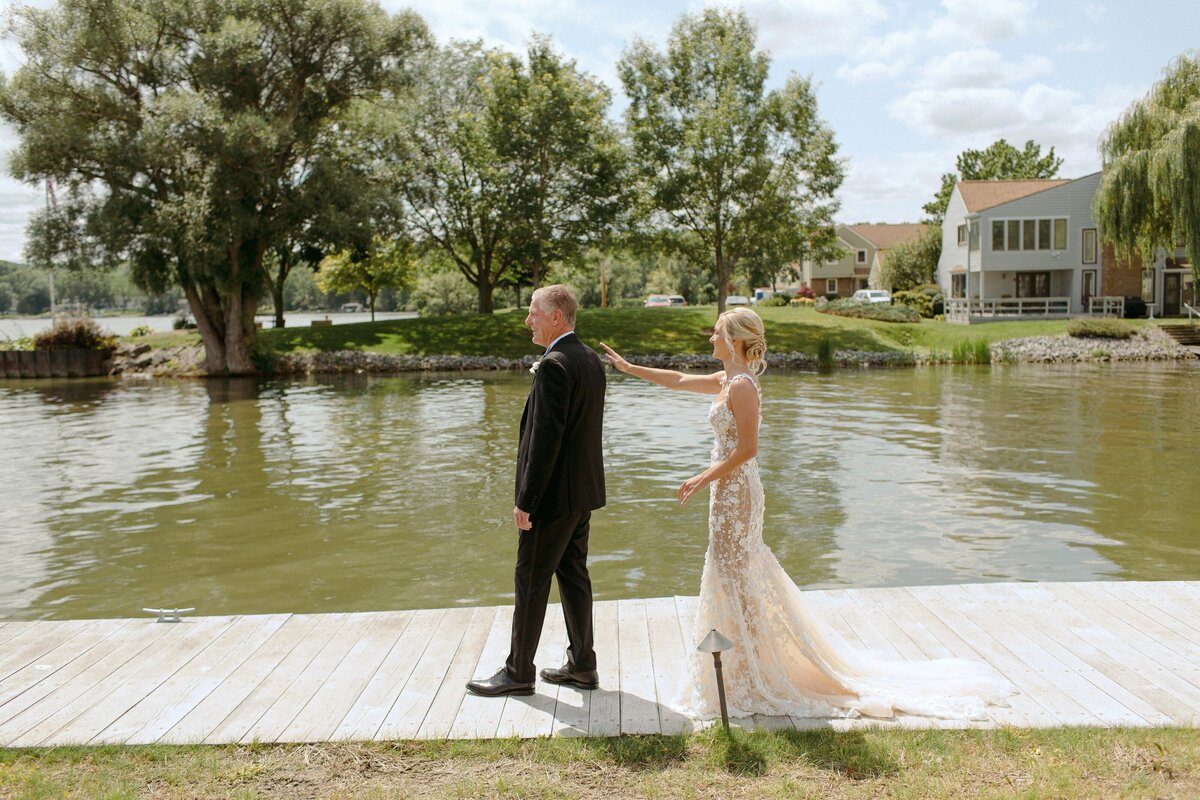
(785, 660)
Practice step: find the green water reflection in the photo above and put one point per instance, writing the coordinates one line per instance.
(380, 493)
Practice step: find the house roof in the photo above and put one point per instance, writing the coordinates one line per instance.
(887, 234)
(979, 195)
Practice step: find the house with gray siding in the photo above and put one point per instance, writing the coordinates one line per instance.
(1031, 248)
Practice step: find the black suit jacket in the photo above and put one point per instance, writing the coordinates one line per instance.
(560, 464)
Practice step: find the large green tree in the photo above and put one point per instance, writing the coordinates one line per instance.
(722, 164)
(1149, 196)
(387, 264)
(185, 134)
(999, 161)
(506, 164)
(550, 127)
(913, 263)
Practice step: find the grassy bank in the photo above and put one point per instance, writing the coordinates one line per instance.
(1060, 763)
(638, 331)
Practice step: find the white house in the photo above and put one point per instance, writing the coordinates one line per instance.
(866, 247)
(1033, 248)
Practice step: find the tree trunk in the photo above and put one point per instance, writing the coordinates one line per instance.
(722, 280)
(485, 295)
(214, 342)
(277, 299)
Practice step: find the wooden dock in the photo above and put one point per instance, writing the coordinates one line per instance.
(1097, 654)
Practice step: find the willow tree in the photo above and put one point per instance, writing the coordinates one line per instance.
(721, 161)
(184, 136)
(1149, 196)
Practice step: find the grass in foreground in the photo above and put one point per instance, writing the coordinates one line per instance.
(1061, 763)
(641, 331)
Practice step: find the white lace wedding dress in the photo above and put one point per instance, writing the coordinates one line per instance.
(785, 660)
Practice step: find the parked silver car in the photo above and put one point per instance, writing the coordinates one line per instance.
(872, 296)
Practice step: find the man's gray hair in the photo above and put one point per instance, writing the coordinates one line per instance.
(559, 297)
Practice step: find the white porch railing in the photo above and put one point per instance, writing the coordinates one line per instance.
(959, 310)
(1192, 311)
(1108, 306)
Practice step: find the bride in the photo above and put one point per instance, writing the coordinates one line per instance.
(785, 660)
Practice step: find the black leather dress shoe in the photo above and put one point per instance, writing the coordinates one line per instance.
(580, 680)
(500, 684)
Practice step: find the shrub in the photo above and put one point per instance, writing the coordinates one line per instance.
(1135, 308)
(75, 334)
(775, 300)
(141, 330)
(802, 301)
(877, 311)
(182, 323)
(806, 292)
(1100, 329)
(442, 293)
(23, 343)
(926, 300)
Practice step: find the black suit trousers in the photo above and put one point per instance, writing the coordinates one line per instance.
(552, 548)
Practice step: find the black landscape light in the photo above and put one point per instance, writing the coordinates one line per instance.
(716, 644)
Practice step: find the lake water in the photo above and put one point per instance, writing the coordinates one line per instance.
(18, 327)
(368, 492)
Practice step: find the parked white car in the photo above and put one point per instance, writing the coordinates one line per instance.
(872, 296)
(737, 300)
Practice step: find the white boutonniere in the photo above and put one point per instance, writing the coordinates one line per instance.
(533, 370)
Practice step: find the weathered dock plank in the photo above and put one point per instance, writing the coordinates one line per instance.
(1097, 654)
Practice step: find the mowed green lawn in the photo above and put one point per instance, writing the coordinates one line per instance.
(643, 331)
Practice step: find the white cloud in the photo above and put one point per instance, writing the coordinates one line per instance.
(981, 68)
(959, 26)
(1094, 12)
(881, 188)
(868, 71)
(813, 27)
(1054, 117)
(1085, 45)
(967, 21)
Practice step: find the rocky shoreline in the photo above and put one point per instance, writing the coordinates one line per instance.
(1150, 344)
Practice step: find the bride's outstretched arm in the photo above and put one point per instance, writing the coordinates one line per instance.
(743, 402)
(705, 384)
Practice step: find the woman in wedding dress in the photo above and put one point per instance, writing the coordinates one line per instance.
(785, 660)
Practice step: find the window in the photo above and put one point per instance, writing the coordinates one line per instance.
(1043, 234)
(1014, 234)
(974, 237)
(831, 286)
(1060, 234)
(958, 285)
(1089, 245)
(1033, 284)
(1028, 234)
(862, 256)
(962, 235)
(997, 235)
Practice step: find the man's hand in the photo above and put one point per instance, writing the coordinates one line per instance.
(521, 518)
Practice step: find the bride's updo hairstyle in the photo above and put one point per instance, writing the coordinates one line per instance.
(743, 325)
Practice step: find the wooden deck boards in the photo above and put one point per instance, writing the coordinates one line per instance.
(1098, 654)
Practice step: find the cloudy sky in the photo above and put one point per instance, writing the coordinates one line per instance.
(906, 86)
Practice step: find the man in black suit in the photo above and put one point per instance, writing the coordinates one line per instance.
(560, 481)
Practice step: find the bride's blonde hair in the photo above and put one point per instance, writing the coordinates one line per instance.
(743, 325)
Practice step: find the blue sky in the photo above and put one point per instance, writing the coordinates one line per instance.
(905, 86)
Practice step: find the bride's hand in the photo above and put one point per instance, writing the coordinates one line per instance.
(690, 487)
(614, 358)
